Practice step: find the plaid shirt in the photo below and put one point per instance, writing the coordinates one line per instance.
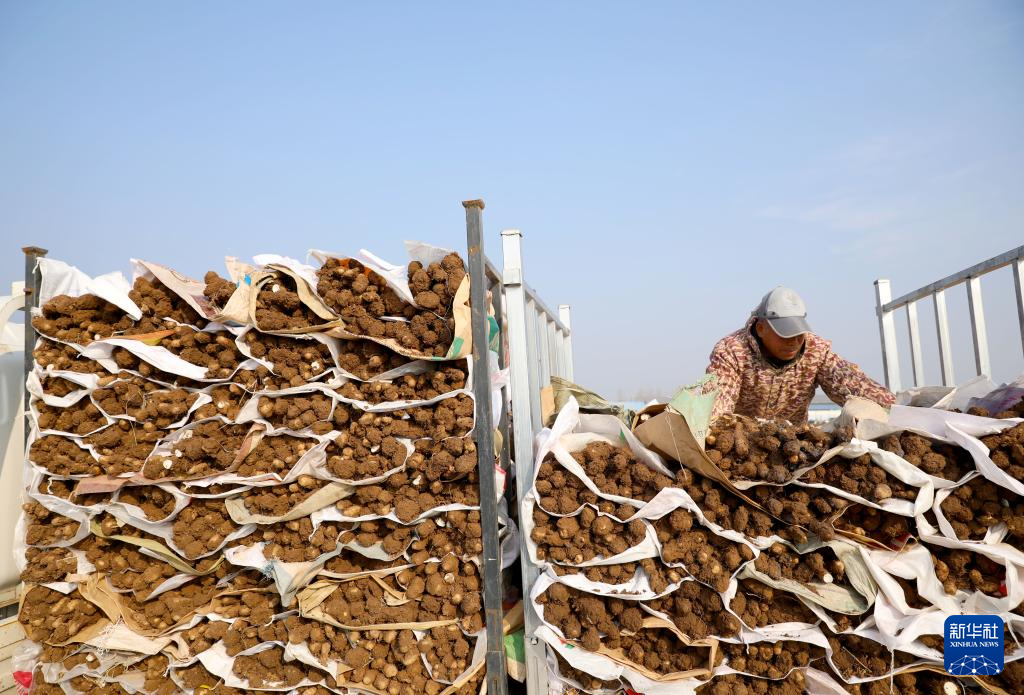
(749, 385)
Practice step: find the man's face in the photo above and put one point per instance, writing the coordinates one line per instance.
(783, 349)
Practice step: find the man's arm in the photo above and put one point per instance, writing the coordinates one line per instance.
(840, 379)
(725, 366)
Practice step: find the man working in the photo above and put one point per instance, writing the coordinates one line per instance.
(771, 367)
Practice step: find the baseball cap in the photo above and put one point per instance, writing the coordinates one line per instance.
(784, 311)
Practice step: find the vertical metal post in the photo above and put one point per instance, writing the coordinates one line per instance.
(555, 354)
(978, 332)
(887, 330)
(565, 316)
(497, 683)
(32, 280)
(1018, 286)
(533, 360)
(942, 330)
(543, 335)
(524, 395)
(499, 315)
(916, 362)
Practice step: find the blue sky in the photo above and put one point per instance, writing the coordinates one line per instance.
(667, 162)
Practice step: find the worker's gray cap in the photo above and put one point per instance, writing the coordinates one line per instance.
(784, 311)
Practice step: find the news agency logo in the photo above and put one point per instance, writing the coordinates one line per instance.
(973, 645)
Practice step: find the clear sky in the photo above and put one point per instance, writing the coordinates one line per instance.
(667, 163)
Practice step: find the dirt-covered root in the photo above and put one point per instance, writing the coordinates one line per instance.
(617, 471)
(156, 503)
(202, 527)
(278, 500)
(659, 650)
(43, 565)
(588, 618)
(455, 532)
(697, 611)
(658, 576)
(578, 539)
(748, 449)
(276, 454)
(445, 590)
(964, 570)
(879, 525)
(47, 528)
(809, 511)
(159, 303)
(449, 590)
(80, 418)
(409, 495)
(362, 298)
(976, 506)
(61, 456)
(439, 379)
(722, 507)
(444, 460)
(312, 410)
(58, 386)
(1007, 450)
(124, 446)
(52, 617)
(154, 406)
(56, 356)
(296, 540)
(212, 448)
(356, 459)
(782, 562)
(759, 605)
(296, 360)
(710, 558)
(365, 359)
(218, 290)
(854, 656)
(81, 320)
(268, 669)
(214, 351)
(931, 456)
(771, 660)
(349, 561)
(1011, 679)
(736, 684)
(127, 569)
(279, 308)
(862, 477)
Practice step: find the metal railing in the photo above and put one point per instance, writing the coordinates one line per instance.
(539, 346)
(886, 307)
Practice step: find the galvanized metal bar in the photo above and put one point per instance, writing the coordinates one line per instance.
(555, 354)
(33, 278)
(565, 315)
(543, 337)
(974, 271)
(916, 362)
(541, 306)
(887, 331)
(534, 369)
(497, 301)
(497, 681)
(1018, 286)
(979, 334)
(524, 395)
(942, 331)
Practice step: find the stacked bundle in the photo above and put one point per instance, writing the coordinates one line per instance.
(777, 558)
(263, 483)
